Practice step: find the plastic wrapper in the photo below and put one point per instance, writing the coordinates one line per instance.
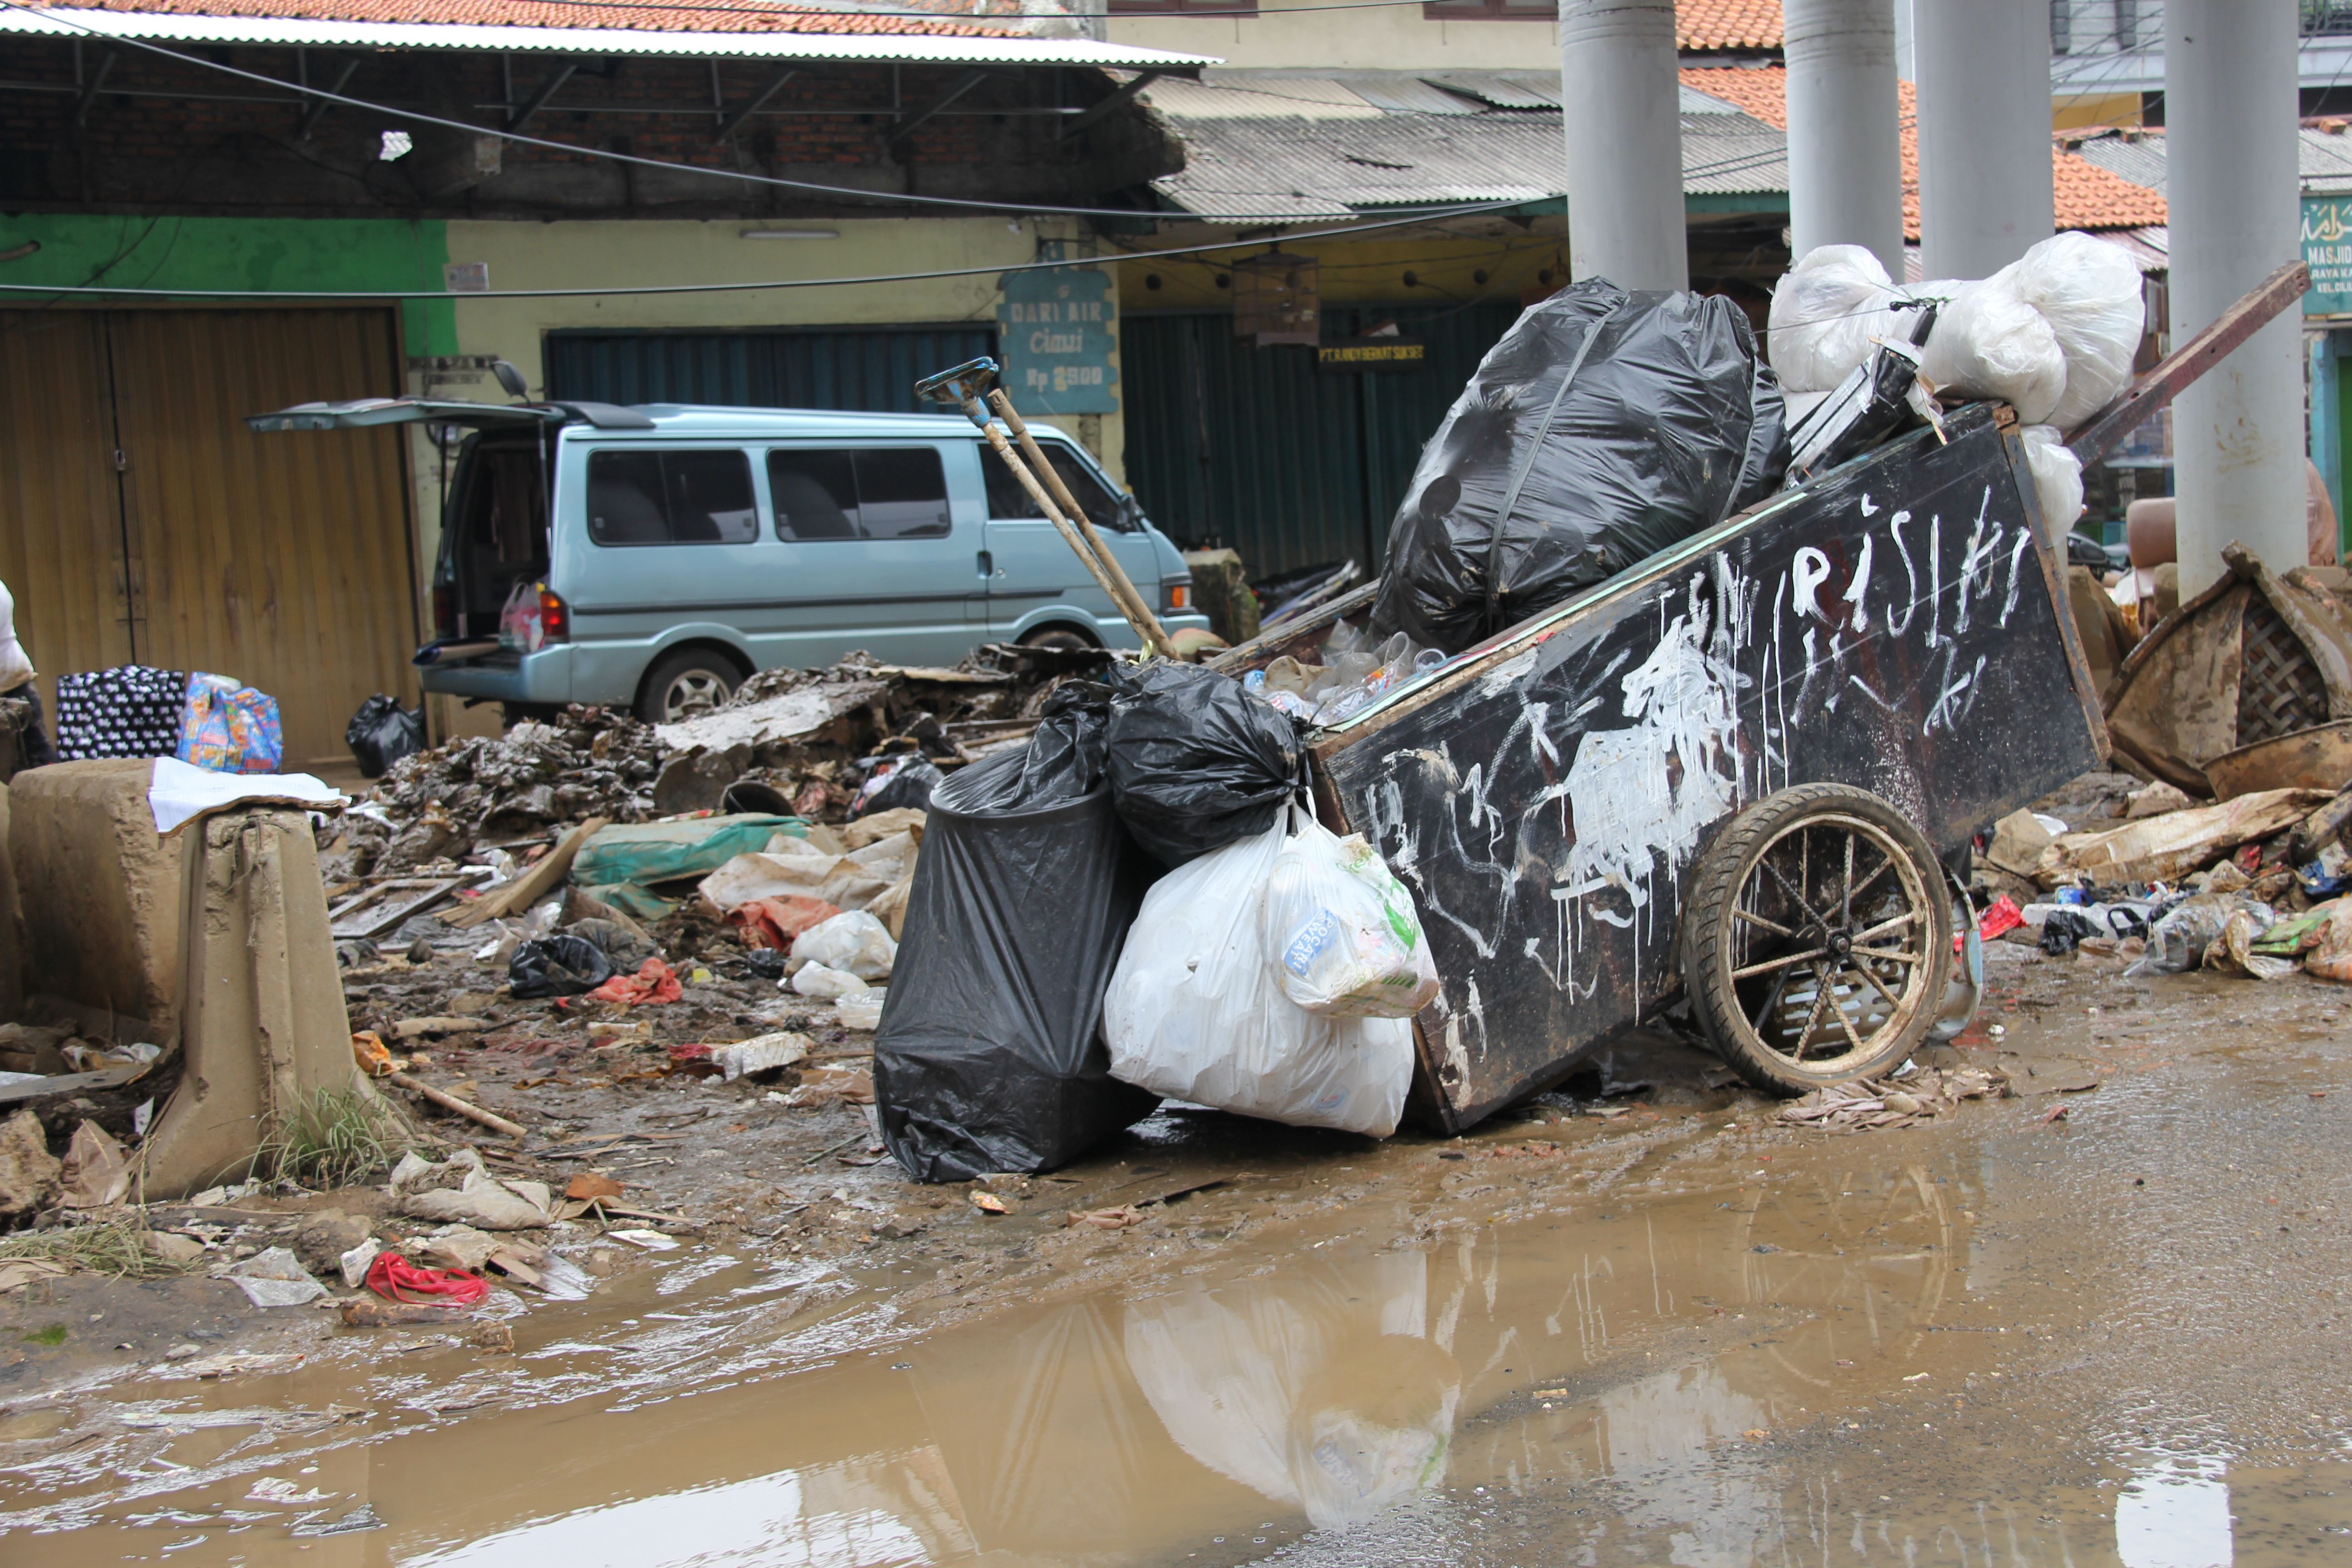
(557, 967)
(381, 732)
(2090, 293)
(988, 1056)
(2178, 940)
(1197, 1009)
(1988, 343)
(1194, 762)
(1342, 932)
(226, 728)
(2057, 482)
(1833, 308)
(1604, 427)
(854, 942)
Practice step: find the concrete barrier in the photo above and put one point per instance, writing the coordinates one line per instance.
(100, 892)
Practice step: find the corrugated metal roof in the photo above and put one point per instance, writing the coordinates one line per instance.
(1261, 143)
(2323, 158)
(197, 28)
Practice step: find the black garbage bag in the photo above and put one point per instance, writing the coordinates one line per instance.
(2064, 932)
(989, 1055)
(557, 967)
(1195, 762)
(910, 784)
(1605, 426)
(380, 734)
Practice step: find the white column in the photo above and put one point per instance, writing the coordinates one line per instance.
(1984, 131)
(1621, 112)
(2230, 154)
(1845, 153)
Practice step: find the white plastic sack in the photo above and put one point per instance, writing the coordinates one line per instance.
(794, 867)
(1196, 1010)
(2057, 482)
(1827, 312)
(2089, 292)
(1989, 343)
(854, 942)
(819, 983)
(1342, 931)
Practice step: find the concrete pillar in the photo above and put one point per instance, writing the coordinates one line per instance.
(1985, 191)
(2230, 153)
(1846, 151)
(1621, 111)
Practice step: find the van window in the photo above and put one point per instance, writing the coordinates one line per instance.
(671, 498)
(892, 492)
(1008, 500)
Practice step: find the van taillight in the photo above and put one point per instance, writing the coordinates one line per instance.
(444, 610)
(554, 617)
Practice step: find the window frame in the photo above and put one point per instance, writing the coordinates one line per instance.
(1483, 11)
(1123, 517)
(669, 521)
(770, 450)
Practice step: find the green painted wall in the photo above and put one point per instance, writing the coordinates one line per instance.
(238, 256)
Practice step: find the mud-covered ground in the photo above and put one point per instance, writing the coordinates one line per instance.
(1644, 1321)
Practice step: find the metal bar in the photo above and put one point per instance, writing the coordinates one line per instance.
(538, 100)
(2106, 430)
(1118, 100)
(317, 108)
(1112, 576)
(89, 90)
(923, 116)
(733, 119)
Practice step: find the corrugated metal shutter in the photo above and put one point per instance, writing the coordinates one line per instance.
(1230, 443)
(284, 560)
(870, 371)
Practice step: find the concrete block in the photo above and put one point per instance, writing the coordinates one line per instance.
(99, 894)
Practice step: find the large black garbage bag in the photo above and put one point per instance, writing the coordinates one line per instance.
(989, 1055)
(1605, 426)
(557, 967)
(1195, 762)
(380, 734)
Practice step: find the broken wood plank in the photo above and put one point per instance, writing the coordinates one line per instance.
(527, 890)
(448, 1101)
(2106, 430)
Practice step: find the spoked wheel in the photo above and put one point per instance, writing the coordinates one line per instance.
(1817, 938)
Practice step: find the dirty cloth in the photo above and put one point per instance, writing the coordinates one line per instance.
(131, 711)
(178, 793)
(654, 983)
(461, 1190)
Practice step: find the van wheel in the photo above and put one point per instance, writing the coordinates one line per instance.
(1059, 638)
(688, 682)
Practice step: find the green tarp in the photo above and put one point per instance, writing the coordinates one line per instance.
(646, 852)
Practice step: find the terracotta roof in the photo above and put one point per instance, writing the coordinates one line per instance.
(1727, 24)
(699, 17)
(2087, 196)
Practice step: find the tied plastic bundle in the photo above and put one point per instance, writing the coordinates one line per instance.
(2057, 482)
(1197, 1009)
(1342, 930)
(1604, 427)
(229, 728)
(1831, 308)
(2052, 333)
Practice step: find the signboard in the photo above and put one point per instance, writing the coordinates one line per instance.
(2328, 251)
(1373, 353)
(1057, 334)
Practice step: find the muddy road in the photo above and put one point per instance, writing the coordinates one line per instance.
(1657, 1326)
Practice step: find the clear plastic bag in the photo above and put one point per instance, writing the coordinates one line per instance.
(1827, 314)
(2057, 480)
(2090, 293)
(855, 944)
(1342, 932)
(1989, 343)
(1196, 1010)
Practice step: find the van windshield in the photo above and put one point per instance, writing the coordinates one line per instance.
(496, 527)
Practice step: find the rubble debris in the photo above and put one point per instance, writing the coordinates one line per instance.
(461, 1189)
(30, 1176)
(1903, 1098)
(2167, 848)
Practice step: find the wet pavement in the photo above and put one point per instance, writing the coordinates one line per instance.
(1679, 1333)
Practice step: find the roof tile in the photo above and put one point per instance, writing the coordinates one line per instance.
(1709, 25)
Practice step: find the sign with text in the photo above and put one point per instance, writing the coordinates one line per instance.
(1373, 353)
(2328, 251)
(1056, 333)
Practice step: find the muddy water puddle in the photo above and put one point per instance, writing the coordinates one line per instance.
(1749, 1370)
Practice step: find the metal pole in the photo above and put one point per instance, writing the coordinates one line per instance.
(1845, 150)
(1986, 188)
(1621, 110)
(2230, 110)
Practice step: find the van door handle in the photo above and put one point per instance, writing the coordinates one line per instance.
(987, 564)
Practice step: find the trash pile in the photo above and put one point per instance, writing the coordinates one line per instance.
(1910, 1097)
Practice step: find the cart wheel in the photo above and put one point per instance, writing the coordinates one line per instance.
(1817, 938)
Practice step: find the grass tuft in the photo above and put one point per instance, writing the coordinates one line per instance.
(332, 1138)
(114, 1248)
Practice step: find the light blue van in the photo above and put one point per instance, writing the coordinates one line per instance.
(694, 545)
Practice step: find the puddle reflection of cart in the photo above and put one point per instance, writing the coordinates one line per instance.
(1746, 771)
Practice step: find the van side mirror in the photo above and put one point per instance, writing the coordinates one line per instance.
(511, 379)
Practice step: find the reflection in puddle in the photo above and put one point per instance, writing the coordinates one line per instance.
(2176, 1516)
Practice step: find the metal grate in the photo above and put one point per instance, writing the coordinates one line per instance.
(2280, 689)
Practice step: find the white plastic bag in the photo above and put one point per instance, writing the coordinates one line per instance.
(1342, 932)
(820, 984)
(1989, 343)
(1827, 312)
(854, 942)
(2089, 292)
(1196, 1010)
(2057, 482)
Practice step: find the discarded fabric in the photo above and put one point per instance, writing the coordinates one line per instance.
(178, 793)
(652, 984)
(395, 1278)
